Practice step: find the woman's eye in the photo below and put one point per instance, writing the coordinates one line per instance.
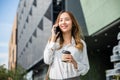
(60, 20)
(67, 19)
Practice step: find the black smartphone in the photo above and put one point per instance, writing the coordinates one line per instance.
(57, 29)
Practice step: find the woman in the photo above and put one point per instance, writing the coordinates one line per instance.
(68, 38)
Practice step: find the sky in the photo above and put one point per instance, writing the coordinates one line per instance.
(8, 9)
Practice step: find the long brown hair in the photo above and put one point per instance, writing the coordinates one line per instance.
(76, 31)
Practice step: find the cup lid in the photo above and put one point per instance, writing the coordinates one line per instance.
(65, 52)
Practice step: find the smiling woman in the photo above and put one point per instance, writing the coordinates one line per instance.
(66, 51)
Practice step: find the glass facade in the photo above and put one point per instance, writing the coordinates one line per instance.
(99, 13)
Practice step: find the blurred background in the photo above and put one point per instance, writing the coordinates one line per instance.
(7, 13)
(26, 26)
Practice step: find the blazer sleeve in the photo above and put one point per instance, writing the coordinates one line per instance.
(49, 53)
(83, 63)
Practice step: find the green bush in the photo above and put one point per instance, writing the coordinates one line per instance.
(16, 74)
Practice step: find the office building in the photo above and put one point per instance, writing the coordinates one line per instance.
(99, 20)
(12, 47)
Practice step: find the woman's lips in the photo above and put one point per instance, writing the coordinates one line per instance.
(63, 27)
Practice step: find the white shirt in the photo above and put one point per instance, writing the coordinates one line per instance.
(63, 70)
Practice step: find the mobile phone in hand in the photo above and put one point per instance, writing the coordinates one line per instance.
(56, 29)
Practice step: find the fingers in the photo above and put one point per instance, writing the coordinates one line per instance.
(55, 25)
(53, 28)
(69, 58)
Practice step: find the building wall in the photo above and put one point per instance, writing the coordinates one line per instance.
(99, 13)
(12, 47)
(34, 25)
(95, 16)
(78, 13)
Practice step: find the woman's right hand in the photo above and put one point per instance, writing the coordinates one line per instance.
(54, 36)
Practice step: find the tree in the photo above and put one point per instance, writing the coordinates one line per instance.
(17, 74)
(3, 73)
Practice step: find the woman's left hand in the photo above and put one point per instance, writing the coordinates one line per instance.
(70, 59)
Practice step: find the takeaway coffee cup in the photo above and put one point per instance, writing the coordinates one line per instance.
(65, 54)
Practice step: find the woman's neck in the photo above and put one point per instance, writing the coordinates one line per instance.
(67, 38)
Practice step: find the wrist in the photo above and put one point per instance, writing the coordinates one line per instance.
(51, 45)
(75, 64)
(52, 40)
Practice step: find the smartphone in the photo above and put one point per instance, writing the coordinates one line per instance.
(57, 29)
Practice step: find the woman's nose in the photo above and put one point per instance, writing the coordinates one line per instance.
(63, 21)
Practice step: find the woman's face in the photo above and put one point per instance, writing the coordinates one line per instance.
(65, 23)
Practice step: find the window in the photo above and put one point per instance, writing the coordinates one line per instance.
(30, 40)
(26, 45)
(25, 4)
(22, 11)
(24, 27)
(40, 25)
(13, 56)
(35, 3)
(24, 50)
(30, 11)
(27, 20)
(35, 33)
